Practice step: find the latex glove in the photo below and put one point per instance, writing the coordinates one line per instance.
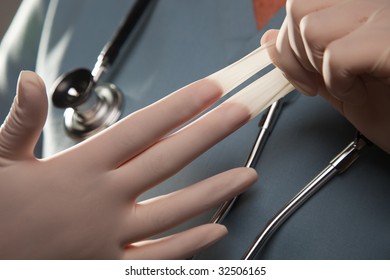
(81, 203)
(340, 50)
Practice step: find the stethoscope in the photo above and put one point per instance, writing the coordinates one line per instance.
(89, 106)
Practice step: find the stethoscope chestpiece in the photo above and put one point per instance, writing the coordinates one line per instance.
(89, 108)
(72, 89)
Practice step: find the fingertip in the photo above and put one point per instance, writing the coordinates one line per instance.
(249, 174)
(241, 178)
(221, 230)
(26, 119)
(182, 245)
(268, 40)
(208, 91)
(269, 36)
(207, 235)
(215, 232)
(32, 79)
(31, 89)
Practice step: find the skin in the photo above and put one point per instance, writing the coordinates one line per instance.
(339, 49)
(81, 203)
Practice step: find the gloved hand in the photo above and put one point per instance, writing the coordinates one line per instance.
(339, 49)
(81, 203)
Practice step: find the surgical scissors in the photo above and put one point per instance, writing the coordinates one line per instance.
(336, 166)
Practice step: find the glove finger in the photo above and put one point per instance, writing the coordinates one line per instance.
(318, 31)
(178, 246)
(145, 127)
(170, 155)
(348, 59)
(162, 213)
(284, 58)
(21, 129)
(296, 10)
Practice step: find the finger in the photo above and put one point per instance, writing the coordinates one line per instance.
(269, 36)
(165, 212)
(171, 154)
(318, 31)
(348, 59)
(178, 246)
(296, 10)
(284, 58)
(143, 128)
(21, 129)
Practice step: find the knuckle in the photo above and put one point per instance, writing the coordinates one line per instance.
(157, 164)
(284, 65)
(332, 57)
(294, 9)
(312, 36)
(310, 29)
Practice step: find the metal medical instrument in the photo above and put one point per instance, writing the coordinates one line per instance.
(266, 125)
(90, 106)
(337, 166)
(268, 91)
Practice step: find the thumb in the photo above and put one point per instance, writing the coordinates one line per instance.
(269, 36)
(269, 39)
(21, 129)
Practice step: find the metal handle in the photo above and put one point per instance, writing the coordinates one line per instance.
(266, 124)
(338, 165)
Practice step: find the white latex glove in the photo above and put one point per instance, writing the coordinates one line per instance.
(339, 49)
(81, 203)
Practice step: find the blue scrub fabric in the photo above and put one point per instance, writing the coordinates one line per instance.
(178, 43)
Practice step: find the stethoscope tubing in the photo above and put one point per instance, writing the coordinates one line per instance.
(336, 166)
(266, 125)
(328, 173)
(113, 47)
